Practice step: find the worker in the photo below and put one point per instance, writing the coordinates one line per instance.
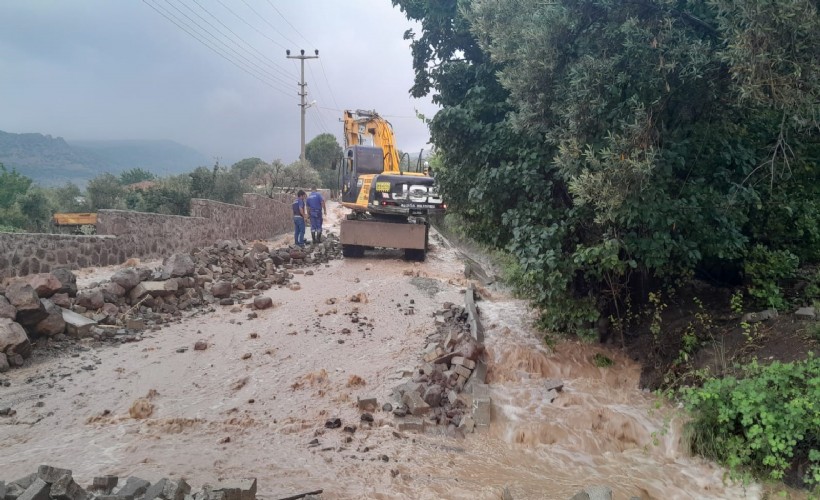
(316, 208)
(299, 216)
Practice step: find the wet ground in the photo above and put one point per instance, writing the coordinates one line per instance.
(251, 403)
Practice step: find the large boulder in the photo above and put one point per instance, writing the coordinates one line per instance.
(154, 289)
(91, 298)
(68, 281)
(179, 265)
(6, 309)
(221, 289)
(45, 284)
(127, 278)
(13, 338)
(112, 292)
(29, 309)
(53, 324)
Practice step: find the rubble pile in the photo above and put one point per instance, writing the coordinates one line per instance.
(57, 484)
(448, 388)
(49, 305)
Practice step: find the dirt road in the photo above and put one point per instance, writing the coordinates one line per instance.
(252, 402)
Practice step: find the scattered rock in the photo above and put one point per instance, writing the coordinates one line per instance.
(262, 302)
(200, 345)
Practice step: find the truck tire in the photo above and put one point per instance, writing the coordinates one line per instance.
(414, 254)
(352, 251)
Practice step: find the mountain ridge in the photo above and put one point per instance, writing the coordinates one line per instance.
(52, 160)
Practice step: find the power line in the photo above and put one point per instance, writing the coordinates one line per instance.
(292, 26)
(270, 62)
(330, 87)
(250, 25)
(261, 70)
(176, 21)
(269, 24)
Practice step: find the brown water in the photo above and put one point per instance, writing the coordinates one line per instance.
(216, 415)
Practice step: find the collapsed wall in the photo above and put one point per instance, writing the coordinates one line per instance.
(123, 234)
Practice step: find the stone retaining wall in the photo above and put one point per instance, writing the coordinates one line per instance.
(123, 234)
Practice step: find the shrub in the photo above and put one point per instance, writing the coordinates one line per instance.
(762, 423)
(765, 269)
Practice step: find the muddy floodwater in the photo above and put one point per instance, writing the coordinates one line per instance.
(213, 414)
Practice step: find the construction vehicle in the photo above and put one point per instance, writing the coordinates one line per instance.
(390, 205)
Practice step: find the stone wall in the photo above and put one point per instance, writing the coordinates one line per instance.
(123, 234)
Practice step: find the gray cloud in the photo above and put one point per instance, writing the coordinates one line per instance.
(102, 69)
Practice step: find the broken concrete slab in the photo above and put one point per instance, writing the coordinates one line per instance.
(133, 487)
(241, 489)
(38, 490)
(476, 328)
(51, 474)
(367, 404)
(806, 313)
(554, 384)
(415, 424)
(481, 405)
(154, 289)
(66, 488)
(77, 325)
(415, 404)
(104, 484)
(168, 489)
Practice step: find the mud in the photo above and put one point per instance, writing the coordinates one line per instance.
(218, 413)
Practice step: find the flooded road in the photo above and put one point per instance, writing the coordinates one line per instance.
(216, 415)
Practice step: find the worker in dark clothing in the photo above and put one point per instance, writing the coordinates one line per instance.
(299, 216)
(316, 208)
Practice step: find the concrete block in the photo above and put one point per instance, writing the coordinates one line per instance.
(241, 489)
(414, 424)
(462, 361)
(481, 405)
(133, 487)
(462, 371)
(806, 313)
(38, 490)
(77, 325)
(104, 484)
(51, 474)
(598, 492)
(367, 404)
(167, 489)
(66, 488)
(415, 404)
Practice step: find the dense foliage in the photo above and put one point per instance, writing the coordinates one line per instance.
(613, 147)
(764, 422)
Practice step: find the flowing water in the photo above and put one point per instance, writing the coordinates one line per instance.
(217, 415)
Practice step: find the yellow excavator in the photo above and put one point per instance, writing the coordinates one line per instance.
(390, 205)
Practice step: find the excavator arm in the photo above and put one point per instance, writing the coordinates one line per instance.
(367, 128)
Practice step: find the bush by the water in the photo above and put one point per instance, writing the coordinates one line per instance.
(764, 423)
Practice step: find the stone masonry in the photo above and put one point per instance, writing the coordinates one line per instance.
(122, 235)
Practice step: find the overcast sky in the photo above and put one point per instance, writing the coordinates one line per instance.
(118, 69)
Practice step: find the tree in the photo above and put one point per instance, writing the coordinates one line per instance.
(612, 147)
(300, 174)
(105, 192)
(37, 209)
(321, 152)
(245, 168)
(12, 185)
(268, 177)
(135, 175)
(68, 198)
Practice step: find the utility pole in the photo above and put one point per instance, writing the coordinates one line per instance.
(303, 92)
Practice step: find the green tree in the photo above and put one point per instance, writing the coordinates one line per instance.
(321, 152)
(300, 174)
(12, 185)
(135, 175)
(68, 198)
(37, 209)
(203, 181)
(105, 192)
(612, 147)
(245, 168)
(268, 178)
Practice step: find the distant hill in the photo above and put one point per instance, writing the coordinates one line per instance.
(52, 160)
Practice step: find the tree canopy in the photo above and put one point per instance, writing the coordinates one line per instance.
(320, 152)
(615, 146)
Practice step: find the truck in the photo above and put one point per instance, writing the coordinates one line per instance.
(390, 205)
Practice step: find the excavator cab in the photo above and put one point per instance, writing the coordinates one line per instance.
(358, 161)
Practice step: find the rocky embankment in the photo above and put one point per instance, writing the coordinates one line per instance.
(46, 310)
